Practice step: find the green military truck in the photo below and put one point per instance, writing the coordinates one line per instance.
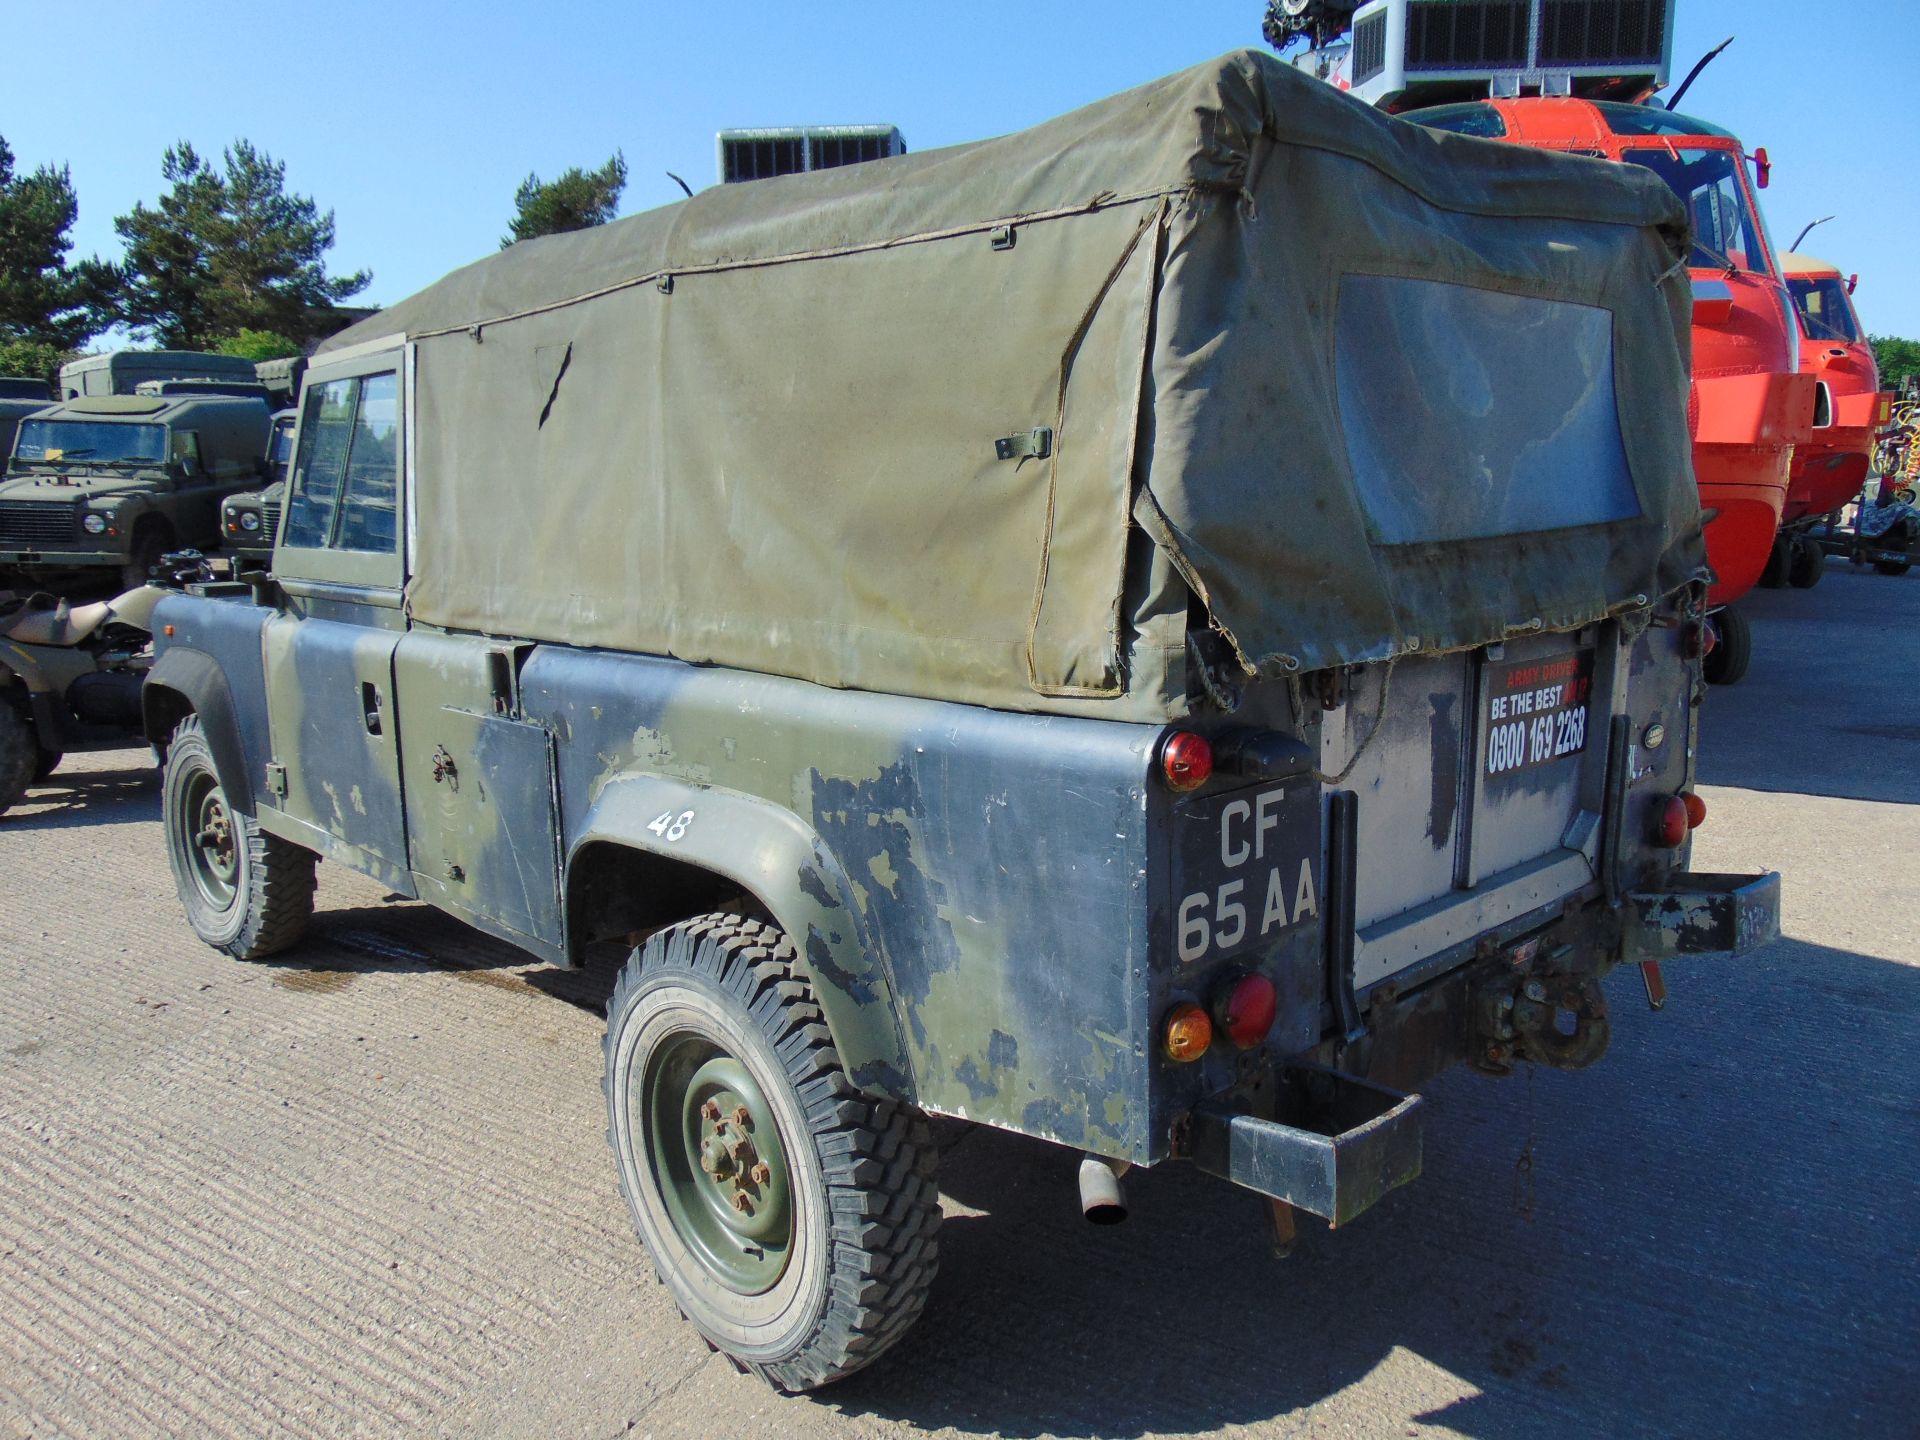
(113, 482)
(121, 372)
(1161, 633)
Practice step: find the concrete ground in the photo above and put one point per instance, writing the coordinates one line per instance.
(363, 1189)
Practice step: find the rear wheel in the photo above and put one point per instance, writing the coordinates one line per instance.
(1808, 565)
(245, 892)
(1893, 567)
(1726, 663)
(45, 763)
(19, 755)
(791, 1215)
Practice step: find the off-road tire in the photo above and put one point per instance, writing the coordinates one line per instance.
(152, 538)
(45, 762)
(271, 879)
(859, 1169)
(19, 755)
(1726, 663)
(1893, 567)
(1807, 566)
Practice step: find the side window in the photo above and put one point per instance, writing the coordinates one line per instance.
(186, 451)
(319, 471)
(367, 509)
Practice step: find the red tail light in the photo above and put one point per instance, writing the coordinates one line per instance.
(1672, 826)
(1245, 1008)
(1696, 810)
(1186, 760)
(1697, 640)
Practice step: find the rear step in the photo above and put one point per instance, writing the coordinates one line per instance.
(1342, 1144)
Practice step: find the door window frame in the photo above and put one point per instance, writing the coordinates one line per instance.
(301, 568)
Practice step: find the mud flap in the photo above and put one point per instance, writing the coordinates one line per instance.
(1703, 915)
(1343, 1145)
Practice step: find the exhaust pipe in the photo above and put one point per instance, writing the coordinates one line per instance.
(1102, 1200)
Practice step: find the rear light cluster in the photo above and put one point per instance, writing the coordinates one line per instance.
(1697, 640)
(1186, 760)
(1677, 815)
(1243, 1008)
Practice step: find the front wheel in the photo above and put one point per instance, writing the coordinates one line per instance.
(150, 542)
(792, 1216)
(245, 892)
(1807, 565)
(1726, 663)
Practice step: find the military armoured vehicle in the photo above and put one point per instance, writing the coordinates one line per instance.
(121, 372)
(114, 482)
(249, 520)
(1161, 633)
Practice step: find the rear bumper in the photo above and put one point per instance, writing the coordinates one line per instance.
(1340, 1144)
(1702, 915)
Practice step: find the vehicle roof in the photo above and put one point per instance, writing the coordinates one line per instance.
(1792, 262)
(218, 366)
(24, 387)
(1541, 119)
(151, 409)
(1147, 293)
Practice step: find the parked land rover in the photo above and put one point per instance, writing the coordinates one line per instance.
(113, 482)
(1162, 633)
(249, 520)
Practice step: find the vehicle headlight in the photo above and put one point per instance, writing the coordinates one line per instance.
(94, 524)
(249, 520)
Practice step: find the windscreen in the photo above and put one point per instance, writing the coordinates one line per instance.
(1825, 311)
(92, 442)
(1471, 413)
(1724, 226)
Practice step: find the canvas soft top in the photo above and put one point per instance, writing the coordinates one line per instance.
(902, 425)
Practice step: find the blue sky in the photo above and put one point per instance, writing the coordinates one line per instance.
(415, 121)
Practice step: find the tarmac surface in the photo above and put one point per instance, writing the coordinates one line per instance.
(362, 1189)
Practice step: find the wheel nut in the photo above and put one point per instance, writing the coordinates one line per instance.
(710, 1110)
(742, 1117)
(741, 1203)
(762, 1174)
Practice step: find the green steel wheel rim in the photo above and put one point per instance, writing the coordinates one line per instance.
(714, 1157)
(207, 838)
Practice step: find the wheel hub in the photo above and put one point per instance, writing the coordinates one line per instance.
(716, 1161)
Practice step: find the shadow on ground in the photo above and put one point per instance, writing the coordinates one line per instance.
(1715, 1236)
(71, 796)
(1831, 703)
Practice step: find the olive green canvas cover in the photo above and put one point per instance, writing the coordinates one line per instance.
(761, 427)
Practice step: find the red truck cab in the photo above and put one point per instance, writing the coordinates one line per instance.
(1832, 468)
(1751, 404)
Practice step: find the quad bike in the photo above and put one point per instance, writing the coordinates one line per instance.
(72, 676)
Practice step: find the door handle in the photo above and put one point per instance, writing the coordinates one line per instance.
(370, 706)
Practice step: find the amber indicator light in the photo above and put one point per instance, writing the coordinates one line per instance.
(1187, 1033)
(1696, 810)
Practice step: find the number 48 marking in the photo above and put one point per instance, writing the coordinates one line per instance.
(671, 827)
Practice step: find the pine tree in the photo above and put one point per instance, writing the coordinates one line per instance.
(43, 299)
(229, 249)
(576, 200)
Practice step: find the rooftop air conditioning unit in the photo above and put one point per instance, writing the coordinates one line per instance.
(759, 154)
(1402, 54)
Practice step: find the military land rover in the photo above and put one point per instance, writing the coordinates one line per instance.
(249, 520)
(113, 482)
(1162, 632)
(121, 372)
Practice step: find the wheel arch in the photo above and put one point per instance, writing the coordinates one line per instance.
(189, 682)
(620, 876)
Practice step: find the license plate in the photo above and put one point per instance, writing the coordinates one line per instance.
(1536, 711)
(1245, 869)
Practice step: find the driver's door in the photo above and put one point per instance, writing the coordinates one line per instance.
(329, 653)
